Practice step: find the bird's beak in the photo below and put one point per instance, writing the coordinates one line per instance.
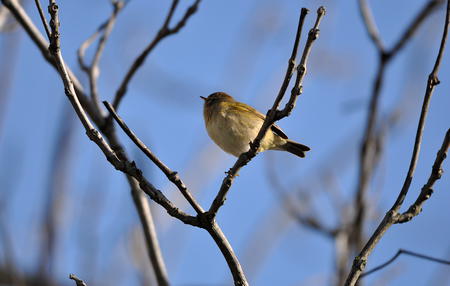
(202, 97)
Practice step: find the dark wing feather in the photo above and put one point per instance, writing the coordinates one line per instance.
(277, 130)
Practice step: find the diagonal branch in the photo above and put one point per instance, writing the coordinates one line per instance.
(41, 14)
(93, 134)
(163, 32)
(77, 280)
(406, 252)
(392, 216)
(371, 26)
(423, 14)
(154, 251)
(204, 222)
(368, 155)
(21, 16)
(93, 69)
(274, 114)
(427, 189)
(120, 163)
(171, 175)
(310, 221)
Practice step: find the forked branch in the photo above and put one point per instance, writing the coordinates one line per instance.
(163, 32)
(273, 114)
(393, 216)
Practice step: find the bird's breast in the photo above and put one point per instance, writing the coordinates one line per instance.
(231, 132)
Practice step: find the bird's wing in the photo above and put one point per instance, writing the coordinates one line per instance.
(239, 106)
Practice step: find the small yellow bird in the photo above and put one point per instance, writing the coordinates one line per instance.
(232, 125)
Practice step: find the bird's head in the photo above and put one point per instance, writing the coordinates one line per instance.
(217, 97)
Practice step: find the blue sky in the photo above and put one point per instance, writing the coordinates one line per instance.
(240, 47)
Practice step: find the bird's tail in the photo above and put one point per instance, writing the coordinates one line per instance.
(296, 148)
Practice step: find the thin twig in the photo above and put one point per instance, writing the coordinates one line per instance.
(368, 153)
(367, 158)
(227, 251)
(93, 134)
(211, 226)
(423, 14)
(22, 17)
(427, 189)
(154, 251)
(130, 167)
(57, 187)
(41, 14)
(392, 216)
(77, 280)
(24, 20)
(309, 221)
(93, 69)
(370, 24)
(171, 175)
(406, 252)
(163, 32)
(274, 114)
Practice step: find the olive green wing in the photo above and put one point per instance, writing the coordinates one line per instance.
(242, 107)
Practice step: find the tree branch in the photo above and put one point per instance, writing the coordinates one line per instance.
(77, 280)
(392, 216)
(93, 70)
(368, 156)
(171, 175)
(204, 222)
(426, 11)
(427, 189)
(163, 32)
(369, 23)
(122, 165)
(406, 252)
(130, 168)
(21, 16)
(41, 14)
(154, 251)
(274, 114)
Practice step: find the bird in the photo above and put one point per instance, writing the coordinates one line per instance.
(232, 125)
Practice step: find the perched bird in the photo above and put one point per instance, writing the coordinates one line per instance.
(232, 125)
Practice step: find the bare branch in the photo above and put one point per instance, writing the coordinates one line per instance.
(274, 114)
(131, 169)
(41, 14)
(367, 158)
(370, 24)
(392, 216)
(154, 251)
(309, 221)
(431, 84)
(301, 68)
(406, 252)
(22, 17)
(93, 70)
(171, 175)
(77, 280)
(163, 32)
(429, 8)
(57, 183)
(427, 189)
(368, 153)
(227, 251)
(94, 135)
(204, 221)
